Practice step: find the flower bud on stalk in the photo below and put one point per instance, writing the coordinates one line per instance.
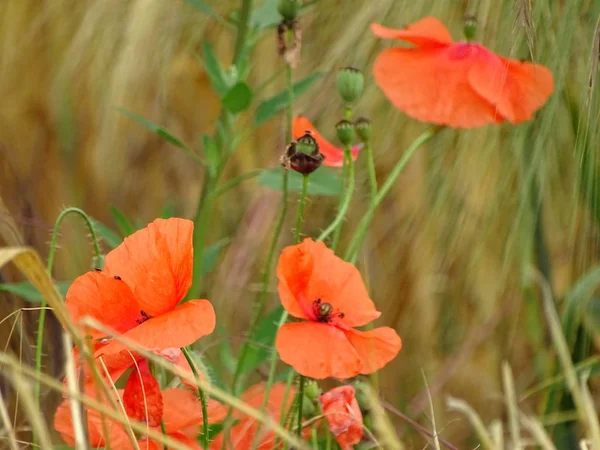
(345, 132)
(350, 84)
(288, 9)
(363, 129)
(470, 27)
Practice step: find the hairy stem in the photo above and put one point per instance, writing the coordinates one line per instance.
(201, 396)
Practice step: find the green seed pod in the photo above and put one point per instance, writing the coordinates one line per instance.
(288, 9)
(308, 408)
(312, 390)
(470, 27)
(345, 132)
(363, 129)
(350, 84)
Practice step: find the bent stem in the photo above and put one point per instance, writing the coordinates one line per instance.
(355, 243)
(345, 204)
(201, 396)
(49, 265)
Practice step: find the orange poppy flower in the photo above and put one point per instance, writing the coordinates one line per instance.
(241, 435)
(138, 292)
(334, 156)
(459, 84)
(342, 412)
(329, 296)
(143, 401)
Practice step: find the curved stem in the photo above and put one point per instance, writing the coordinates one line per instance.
(49, 266)
(301, 205)
(355, 243)
(345, 205)
(201, 396)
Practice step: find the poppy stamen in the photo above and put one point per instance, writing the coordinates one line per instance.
(117, 277)
(324, 312)
(145, 316)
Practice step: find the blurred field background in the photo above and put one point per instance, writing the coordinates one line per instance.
(447, 255)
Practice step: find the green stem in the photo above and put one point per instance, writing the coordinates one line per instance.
(301, 205)
(371, 170)
(49, 265)
(355, 243)
(300, 403)
(347, 198)
(163, 428)
(242, 29)
(201, 396)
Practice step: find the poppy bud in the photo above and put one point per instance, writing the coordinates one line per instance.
(350, 83)
(470, 27)
(361, 395)
(288, 9)
(363, 129)
(345, 132)
(312, 389)
(308, 408)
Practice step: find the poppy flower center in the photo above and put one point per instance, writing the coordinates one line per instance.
(143, 317)
(324, 312)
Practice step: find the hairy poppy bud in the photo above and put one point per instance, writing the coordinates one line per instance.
(350, 83)
(470, 27)
(363, 129)
(345, 132)
(312, 389)
(308, 408)
(288, 9)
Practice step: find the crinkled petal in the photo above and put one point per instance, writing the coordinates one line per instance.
(142, 397)
(343, 415)
(156, 262)
(178, 328)
(317, 350)
(375, 348)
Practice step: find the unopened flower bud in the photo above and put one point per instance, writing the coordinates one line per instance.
(312, 389)
(308, 408)
(345, 132)
(350, 83)
(363, 129)
(361, 395)
(288, 9)
(470, 27)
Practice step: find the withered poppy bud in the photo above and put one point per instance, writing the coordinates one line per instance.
(288, 9)
(305, 163)
(303, 155)
(363, 129)
(345, 132)
(350, 83)
(470, 27)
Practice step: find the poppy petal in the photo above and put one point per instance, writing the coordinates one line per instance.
(334, 156)
(156, 262)
(428, 31)
(182, 409)
(176, 356)
(301, 345)
(343, 415)
(516, 88)
(375, 348)
(142, 398)
(178, 328)
(432, 85)
(101, 297)
(310, 271)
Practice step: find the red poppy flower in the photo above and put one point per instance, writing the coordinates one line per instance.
(138, 292)
(143, 401)
(459, 84)
(329, 296)
(241, 435)
(343, 415)
(334, 156)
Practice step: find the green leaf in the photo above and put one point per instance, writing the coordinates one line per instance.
(591, 319)
(211, 255)
(160, 131)
(213, 69)
(323, 181)
(269, 108)
(123, 224)
(111, 238)
(576, 301)
(266, 15)
(28, 292)
(238, 98)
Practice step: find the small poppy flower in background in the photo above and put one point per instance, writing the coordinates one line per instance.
(334, 156)
(241, 435)
(342, 412)
(328, 295)
(459, 84)
(179, 410)
(138, 292)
